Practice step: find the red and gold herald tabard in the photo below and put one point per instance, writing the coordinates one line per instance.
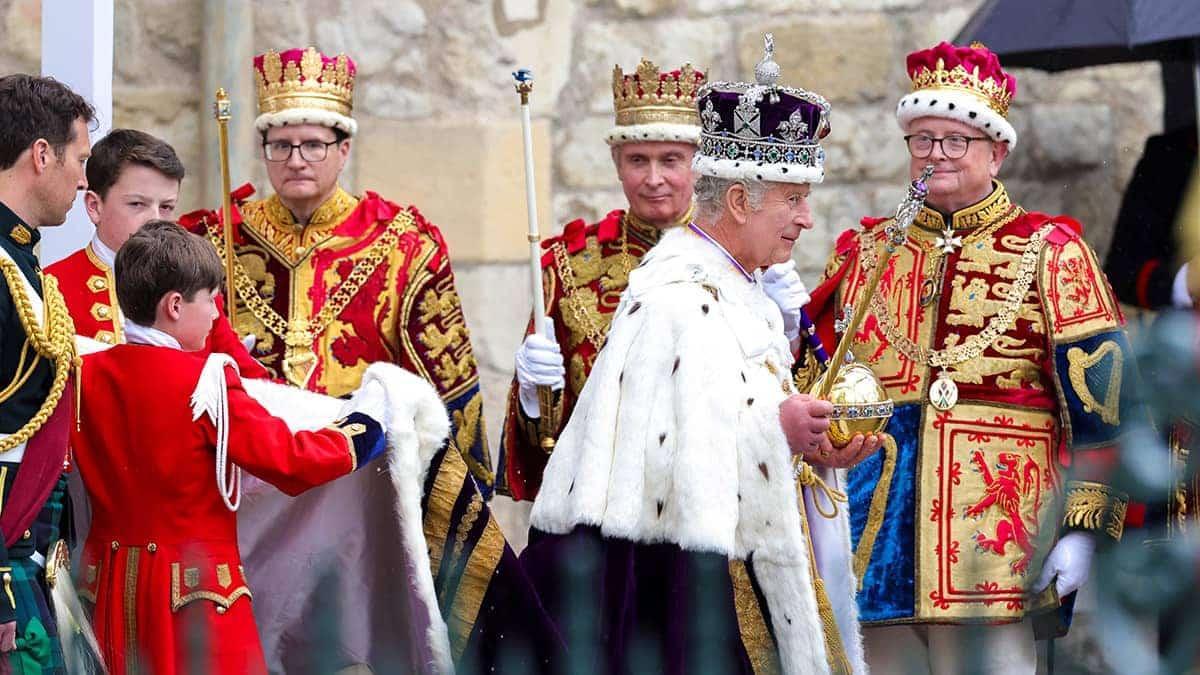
(365, 281)
(1018, 315)
(584, 272)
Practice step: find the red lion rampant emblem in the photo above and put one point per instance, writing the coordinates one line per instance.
(1011, 489)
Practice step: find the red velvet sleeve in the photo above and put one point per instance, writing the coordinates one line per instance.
(264, 445)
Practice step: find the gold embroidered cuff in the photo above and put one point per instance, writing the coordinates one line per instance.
(1095, 507)
(551, 422)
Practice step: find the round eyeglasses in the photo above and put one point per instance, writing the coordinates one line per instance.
(955, 146)
(310, 151)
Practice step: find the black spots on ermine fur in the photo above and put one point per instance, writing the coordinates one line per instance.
(675, 368)
(762, 467)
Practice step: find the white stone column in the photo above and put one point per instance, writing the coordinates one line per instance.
(228, 49)
(77, 50)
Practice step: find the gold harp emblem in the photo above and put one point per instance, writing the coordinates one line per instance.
(1079, 361)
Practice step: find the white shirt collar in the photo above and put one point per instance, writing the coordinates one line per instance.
(138, 334)
(102, 251)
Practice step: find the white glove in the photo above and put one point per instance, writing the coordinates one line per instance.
(781, 282)
(1069, 563)
(371, 400)
(539, 362)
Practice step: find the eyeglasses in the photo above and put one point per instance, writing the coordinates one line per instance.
(920, 146)
(310, 151)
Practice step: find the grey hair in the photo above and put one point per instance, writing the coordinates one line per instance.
(710, 195)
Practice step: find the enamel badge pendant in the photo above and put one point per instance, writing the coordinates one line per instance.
(943, 393)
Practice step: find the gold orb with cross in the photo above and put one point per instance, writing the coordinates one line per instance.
(860, 403)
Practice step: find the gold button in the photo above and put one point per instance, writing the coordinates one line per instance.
(299, 250)
(152, 547)
(103, 312)
(115, 546)
(27, 534)
(220, 609)
(105, 338)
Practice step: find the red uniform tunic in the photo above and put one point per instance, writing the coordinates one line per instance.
(366, 280)
(88, 286)
(161, 560)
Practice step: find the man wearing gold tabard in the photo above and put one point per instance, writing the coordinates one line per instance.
(585, 269)
(998, 338)
(329, 282)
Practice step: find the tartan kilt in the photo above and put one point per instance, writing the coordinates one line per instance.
(38, 648)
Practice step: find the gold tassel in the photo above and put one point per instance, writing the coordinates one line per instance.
(806, 477)
(78, 363)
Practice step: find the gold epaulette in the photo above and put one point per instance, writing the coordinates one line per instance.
(55, 341)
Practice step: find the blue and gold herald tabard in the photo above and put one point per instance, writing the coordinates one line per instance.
(947, 520)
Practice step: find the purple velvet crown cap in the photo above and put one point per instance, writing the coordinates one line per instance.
(787, 118)
(761, 131)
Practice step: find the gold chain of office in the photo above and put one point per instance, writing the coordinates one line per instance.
(596, 333)
(301, 332)
(55, 342)
(975, 345)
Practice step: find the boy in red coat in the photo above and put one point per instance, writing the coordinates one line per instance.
(133, 178)
(161, 561)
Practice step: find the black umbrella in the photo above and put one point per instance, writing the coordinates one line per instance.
(1058, 35)
(1062, 34)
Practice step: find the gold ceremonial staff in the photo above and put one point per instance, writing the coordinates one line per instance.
(547, 422)
(860, 403)
(221, 110)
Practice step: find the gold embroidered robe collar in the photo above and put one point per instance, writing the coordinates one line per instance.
(985, 212)
(293, 242)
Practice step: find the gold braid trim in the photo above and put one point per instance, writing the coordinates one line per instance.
(835, 653)
(56, 342)
(877, 510)
(223, 602)
(760, 647)
(1095, 507)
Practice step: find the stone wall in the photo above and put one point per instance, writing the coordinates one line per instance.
(440, 124)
